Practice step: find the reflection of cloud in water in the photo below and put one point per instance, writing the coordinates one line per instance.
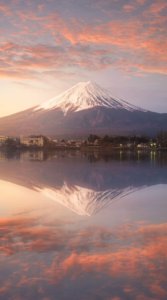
(59, 262)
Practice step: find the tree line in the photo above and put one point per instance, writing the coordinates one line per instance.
(160, 139)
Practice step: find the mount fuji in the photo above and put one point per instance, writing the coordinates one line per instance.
(85, 95)
(83, 109)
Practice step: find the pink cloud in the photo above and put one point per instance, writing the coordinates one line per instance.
(5, 10)
(141, 2)
(157, 7)
(128, 8)
(139, 44)
(93, 251)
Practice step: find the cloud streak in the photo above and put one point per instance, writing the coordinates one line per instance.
(131, 44)
(133, 254)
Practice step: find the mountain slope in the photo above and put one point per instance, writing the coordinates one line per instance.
(85, 95)
(85, 108)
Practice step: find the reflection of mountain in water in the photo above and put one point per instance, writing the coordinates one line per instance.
(84, 201)
(82, 186)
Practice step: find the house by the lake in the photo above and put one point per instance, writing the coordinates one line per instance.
(3, 139)
(33, 140)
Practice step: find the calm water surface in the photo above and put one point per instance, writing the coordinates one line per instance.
(83, 226)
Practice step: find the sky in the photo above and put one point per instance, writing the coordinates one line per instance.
(46, 46)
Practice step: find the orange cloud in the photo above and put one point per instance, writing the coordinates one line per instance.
(133, 44)
(157, 7)
(116, 262)
(128, 8)
(135, 263)
(5, 9)
(20, 61)
(137, 39)
(141, 2)
(130, 254)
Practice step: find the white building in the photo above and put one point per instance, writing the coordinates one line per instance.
(3, 139)
(32, 140)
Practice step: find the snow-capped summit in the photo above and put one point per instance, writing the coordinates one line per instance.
(84, 201)
(85, 95)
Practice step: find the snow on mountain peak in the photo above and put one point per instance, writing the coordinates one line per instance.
(85, 95)
(84, 201)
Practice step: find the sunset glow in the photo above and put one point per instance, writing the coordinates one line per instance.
(47, 46)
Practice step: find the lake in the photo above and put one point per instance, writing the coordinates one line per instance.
(83, 226)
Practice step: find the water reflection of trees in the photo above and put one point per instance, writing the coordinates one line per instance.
(92, 156)
(159, 157)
